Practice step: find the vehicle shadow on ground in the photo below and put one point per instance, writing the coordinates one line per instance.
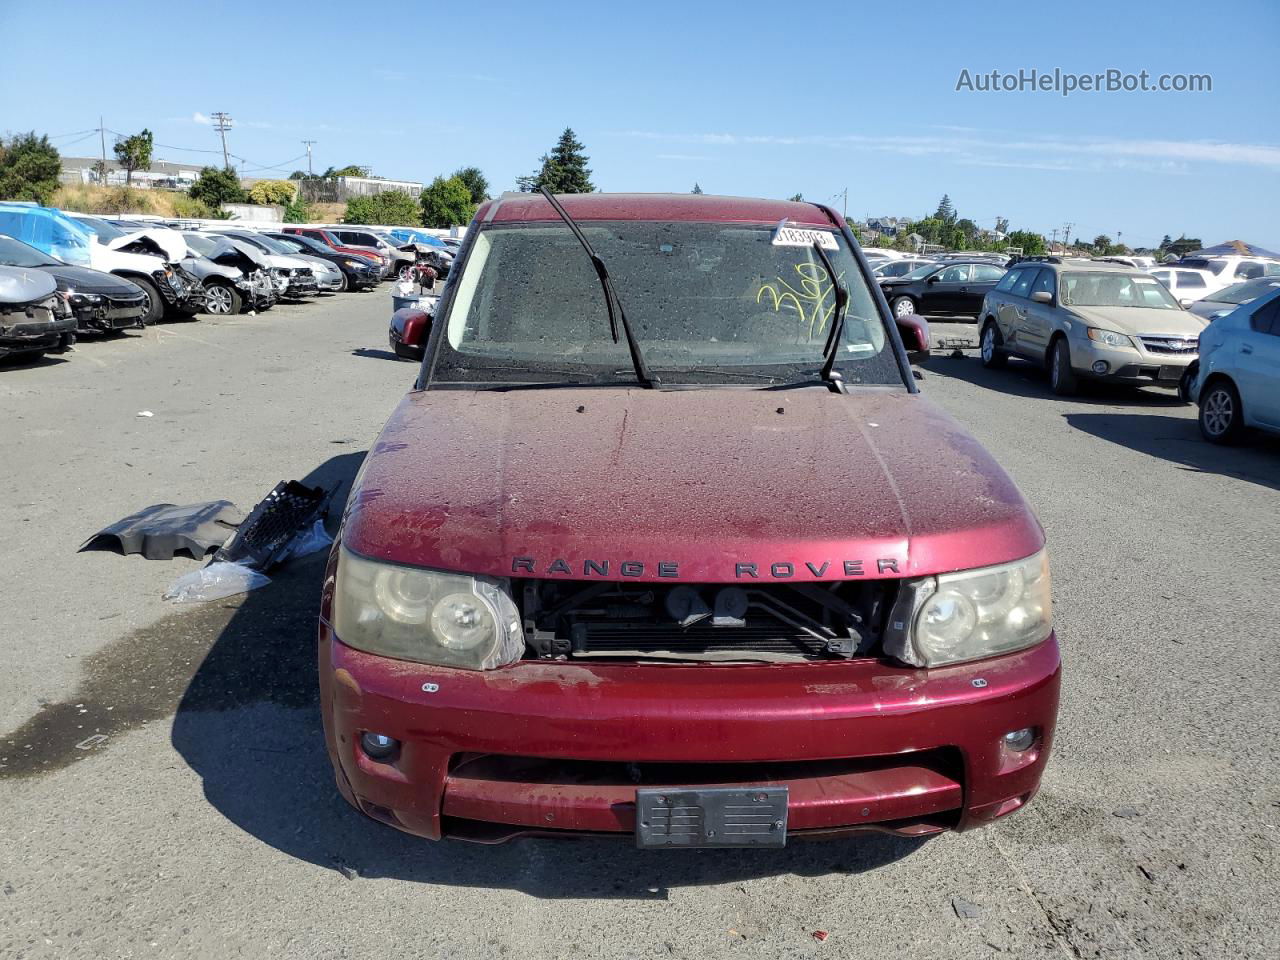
(1022, 378)
(248, 723)
(374, 354)
(1178, 440)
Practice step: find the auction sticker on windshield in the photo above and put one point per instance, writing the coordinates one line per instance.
(796, 237)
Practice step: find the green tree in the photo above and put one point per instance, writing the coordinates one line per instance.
(1032, 244)
(1184, 245)
(476, 183)
(1165, 243)
(216, 186)
(351, 170)
(391, 208)
(1101, 244)
(134, 153)
(299, 175)
(29, 168)
(447, 203)
(297, 210)
(563, 170)
(696, 188)
(796, 198)
(946, 211)
(969, 230)
(280, 192)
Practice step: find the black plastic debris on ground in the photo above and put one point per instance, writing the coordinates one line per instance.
(162, 529)
(265, 535)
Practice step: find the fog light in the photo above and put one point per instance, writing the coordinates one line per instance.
(1100, 366)
(378, 746)
(1018, 740)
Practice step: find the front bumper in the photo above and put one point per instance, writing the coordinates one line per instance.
(330, 282)
(544, 747)
(38, 336)
(299, 287)
(109, 314)
(1125, 365)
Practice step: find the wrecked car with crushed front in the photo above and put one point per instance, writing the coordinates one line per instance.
(33, 320)
(666, 544)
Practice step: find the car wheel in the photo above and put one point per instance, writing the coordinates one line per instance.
(152, 302)
(904, 307)
(346, 284)
(1221, 417)
(1062, 379)
(221, 300)
(992, 345)
(406, 273)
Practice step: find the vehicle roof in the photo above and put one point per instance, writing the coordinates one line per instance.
(693, 207)
(1092, 266)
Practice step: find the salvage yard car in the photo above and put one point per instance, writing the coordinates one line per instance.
(100, 302)
(1088, 320)
(942, 289)
(31, 323)
(665, 544)
(1237, 381)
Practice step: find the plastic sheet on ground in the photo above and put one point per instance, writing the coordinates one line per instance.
(218, 580)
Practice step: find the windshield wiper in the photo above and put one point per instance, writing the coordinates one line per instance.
(837, 322)
(612, 303)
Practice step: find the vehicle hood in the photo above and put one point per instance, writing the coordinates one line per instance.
(203, 267)
(25, 285)
(1141, 320)
(318, 265)
(161, 243)
(85, 280)
(798, 483)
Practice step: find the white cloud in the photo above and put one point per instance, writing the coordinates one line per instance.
(1048, 152)
(199, 117)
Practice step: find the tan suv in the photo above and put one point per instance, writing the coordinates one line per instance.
(1081, 318)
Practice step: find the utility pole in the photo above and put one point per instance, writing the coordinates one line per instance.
(1054, 242)
(1066, 235)
(309, 143)
(102, 131)
(222, 123)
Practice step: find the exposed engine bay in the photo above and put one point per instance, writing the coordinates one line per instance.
(717, 622)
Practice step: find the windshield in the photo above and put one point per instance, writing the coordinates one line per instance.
(1244, 292)
(1114, 289)
(15, 253)
(919, 273)
(714, 302)
(204, 246)
(271, 244)
(105, 231)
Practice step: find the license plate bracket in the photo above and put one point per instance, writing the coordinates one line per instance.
(711, 817)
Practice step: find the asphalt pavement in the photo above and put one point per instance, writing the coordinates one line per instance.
(165, 791)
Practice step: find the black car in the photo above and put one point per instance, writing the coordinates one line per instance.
(942, 289)
(100, 301)
(358, 273)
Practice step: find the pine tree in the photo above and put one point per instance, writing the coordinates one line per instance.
(696, 188)
(564, 170)
(946, 212)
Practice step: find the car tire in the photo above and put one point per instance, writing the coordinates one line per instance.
(992, 347)
(346, 284)
(405, 352)
(1062, 379)
(221, 299)
(904, 307)
(1221, 416)
(154, 302)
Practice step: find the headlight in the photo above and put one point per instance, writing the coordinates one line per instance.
(972, 614)
(354, 264)
(1109, 337)
(428, 616)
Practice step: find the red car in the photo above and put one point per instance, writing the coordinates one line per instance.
(664, 544)
(328, 239)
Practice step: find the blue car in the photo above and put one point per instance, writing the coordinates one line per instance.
(1237, 383)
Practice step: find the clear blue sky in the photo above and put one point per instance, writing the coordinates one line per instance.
(743, 98)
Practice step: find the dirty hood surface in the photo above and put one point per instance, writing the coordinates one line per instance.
(25, 285)
(696, 485)
(1142, 320)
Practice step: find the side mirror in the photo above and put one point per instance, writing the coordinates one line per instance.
(933, 279)
(1042, 296)
(1185, 302)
